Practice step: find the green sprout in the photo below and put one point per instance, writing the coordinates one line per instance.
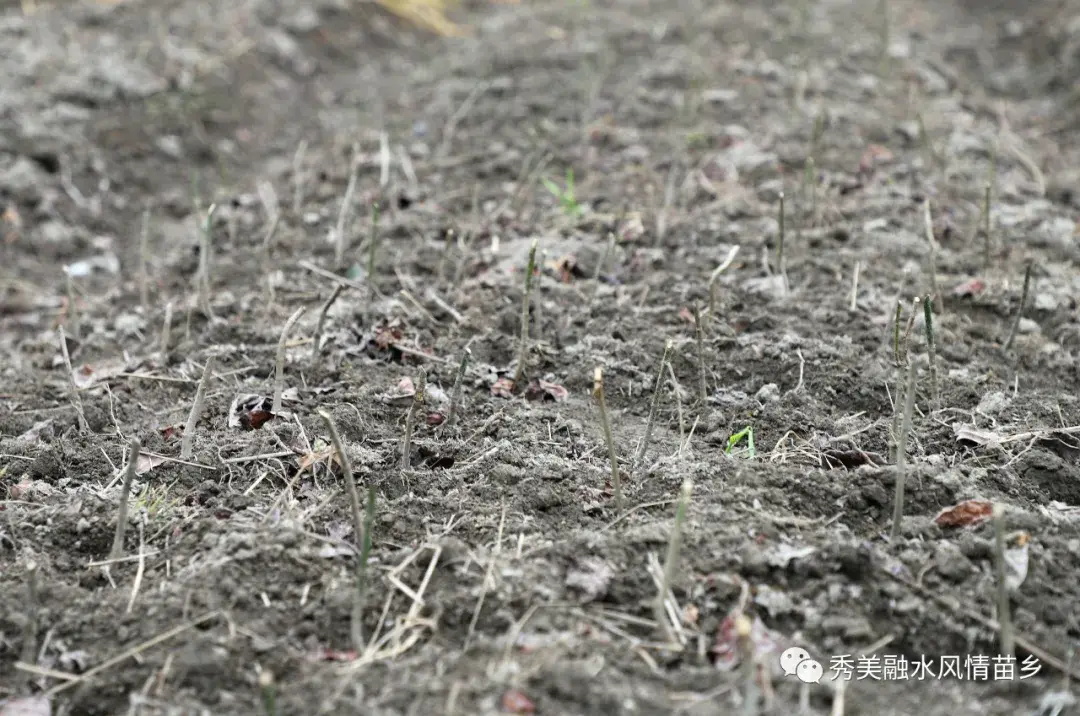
(565, 195)
(734, 440)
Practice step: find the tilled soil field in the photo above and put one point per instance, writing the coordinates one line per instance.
(738, 210)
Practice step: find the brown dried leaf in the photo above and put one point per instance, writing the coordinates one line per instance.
(514, 701)
(965, 514)
(503, 388)
(543, 390)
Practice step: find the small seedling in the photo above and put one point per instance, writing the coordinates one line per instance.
(279, 363)
(166, 329)
(565, 195)
(523, 347)
(205, 245)
(931, 348)
(345, 212)
(655, 403)
(316, 340)
(1004, 617)
(410, 420)
(605, 424)
(459, 380)
(986, 224)
(373, 250)
(359, 532)
(901, 452)
(196, 412)
(746, 433)
(1019, 310)
(125, 492)
(671, 562)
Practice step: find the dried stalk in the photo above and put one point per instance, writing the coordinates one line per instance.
(523, 347)
(605, 424)
(279, 363)
(196, 412)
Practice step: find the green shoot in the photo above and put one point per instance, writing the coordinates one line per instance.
(565, 195)
(746, 433)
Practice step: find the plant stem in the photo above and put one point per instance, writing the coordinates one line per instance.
(279, 363)
(206, 240)
(459, 380)
(931, 348)
(344, 213)
(1004, 618)
(410, 420)
(76, 398)
(699, 331)
(373, 248)
(125, 491)
(672, 559)
(598, 393)
(317, 338)
(1019, 310)
(781, 265)
(901, 453)
(523, 348)
(196, 412)
(654, 404)
(354, 505)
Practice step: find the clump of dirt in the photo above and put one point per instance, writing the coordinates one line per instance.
(749, 182)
